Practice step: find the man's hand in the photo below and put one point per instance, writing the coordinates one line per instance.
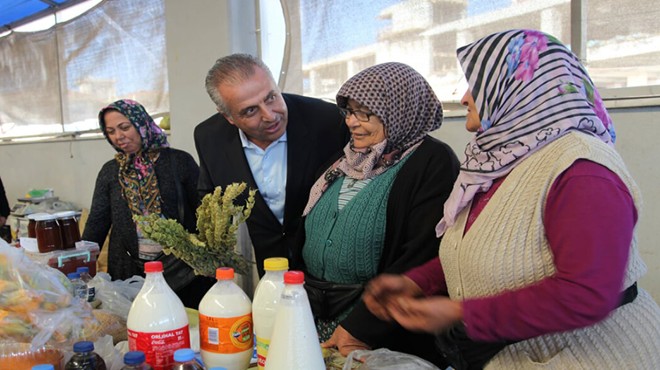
(344, 342)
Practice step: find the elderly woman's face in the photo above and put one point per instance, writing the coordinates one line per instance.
(472, 119)
(365, 127)
(121, 132)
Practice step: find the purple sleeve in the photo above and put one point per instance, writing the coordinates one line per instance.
(429, 277)
(589, 220)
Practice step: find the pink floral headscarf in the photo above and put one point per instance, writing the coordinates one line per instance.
(137, 174)
(529, 90)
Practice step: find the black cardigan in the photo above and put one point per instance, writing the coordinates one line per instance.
(110, 211)
(415, 206)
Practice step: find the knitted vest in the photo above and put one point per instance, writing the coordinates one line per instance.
(345, 246)
(506, 249)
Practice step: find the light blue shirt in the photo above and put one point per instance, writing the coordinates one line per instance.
(269, 168)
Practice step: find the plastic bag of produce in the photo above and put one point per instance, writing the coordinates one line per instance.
(36, 304)
(384, 359)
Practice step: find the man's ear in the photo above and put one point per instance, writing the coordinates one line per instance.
(227, 117)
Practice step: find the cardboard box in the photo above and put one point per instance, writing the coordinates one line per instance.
(68, 260)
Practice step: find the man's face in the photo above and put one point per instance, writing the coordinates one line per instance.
(256, 107)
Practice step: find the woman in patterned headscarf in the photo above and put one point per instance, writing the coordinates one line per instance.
(538, 253)
(374, 209)
(145, 177)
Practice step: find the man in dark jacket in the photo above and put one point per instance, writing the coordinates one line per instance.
(274, 142)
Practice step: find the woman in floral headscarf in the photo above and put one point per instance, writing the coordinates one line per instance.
(538, 254)
(374, 209)
(145, 177)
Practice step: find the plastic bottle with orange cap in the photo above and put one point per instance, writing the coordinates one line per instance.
(225, 324)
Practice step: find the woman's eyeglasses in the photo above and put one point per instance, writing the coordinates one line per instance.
(360, 115)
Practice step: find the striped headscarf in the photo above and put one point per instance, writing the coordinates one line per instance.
(529, 89)
(137, 175)
(409, 109)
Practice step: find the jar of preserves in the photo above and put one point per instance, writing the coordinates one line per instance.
(49, 236)
(32, 222)
(69, 228)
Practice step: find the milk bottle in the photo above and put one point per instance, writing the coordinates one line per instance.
(157, 322)
(294, 344)
(264, 307)
(225, 324)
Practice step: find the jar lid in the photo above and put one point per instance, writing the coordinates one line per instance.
(45, 217)
(66, 214)
(276, 264)
(33, 216)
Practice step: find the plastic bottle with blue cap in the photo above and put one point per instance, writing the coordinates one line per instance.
(184, 359)
(135, 360)
(84, 358)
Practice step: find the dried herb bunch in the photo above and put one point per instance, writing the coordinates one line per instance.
(218, 219)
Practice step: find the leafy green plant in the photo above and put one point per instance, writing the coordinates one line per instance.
(218, 219)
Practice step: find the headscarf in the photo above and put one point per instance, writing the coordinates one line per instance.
(405, 103)
(137, 175)
(529, 90)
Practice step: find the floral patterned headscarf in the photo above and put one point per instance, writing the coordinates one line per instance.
(409, 109)
(137, 175)
(529, 89)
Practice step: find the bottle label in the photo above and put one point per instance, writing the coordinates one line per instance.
(159, 347)
(225, 334)
(262, 351)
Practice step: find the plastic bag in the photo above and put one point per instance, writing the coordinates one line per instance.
(36, 304)
(384, 359)
(116, 296)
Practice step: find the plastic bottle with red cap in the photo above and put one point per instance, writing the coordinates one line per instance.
(294, 344)
(157, 322)
(225, 324)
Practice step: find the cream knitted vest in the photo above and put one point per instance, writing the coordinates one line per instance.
(506, 249)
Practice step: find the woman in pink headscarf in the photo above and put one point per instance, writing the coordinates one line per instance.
(538, 255)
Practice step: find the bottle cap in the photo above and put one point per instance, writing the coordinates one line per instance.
(224, 273)
(183, 355)
(276, 264)
(83, 346)
(294, 277)
(153, 266)
(134, 358)
(82, 269)
(73, 275)
(43, 367)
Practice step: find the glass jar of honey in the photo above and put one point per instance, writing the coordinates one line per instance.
(49, 236)
(69, 228)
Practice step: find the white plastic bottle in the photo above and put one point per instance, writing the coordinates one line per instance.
(225, 324)
(157, 321)
(86, 278)
(294, 344)
(264, 306)
(79, 288)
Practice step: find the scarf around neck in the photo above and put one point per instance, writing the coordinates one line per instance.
(409, 109)
(529, 90)
(137, 175)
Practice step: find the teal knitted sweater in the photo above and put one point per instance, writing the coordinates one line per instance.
(344, 246)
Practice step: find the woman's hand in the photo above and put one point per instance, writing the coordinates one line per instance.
(385, 290)
(344, 342)
(431, 315)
